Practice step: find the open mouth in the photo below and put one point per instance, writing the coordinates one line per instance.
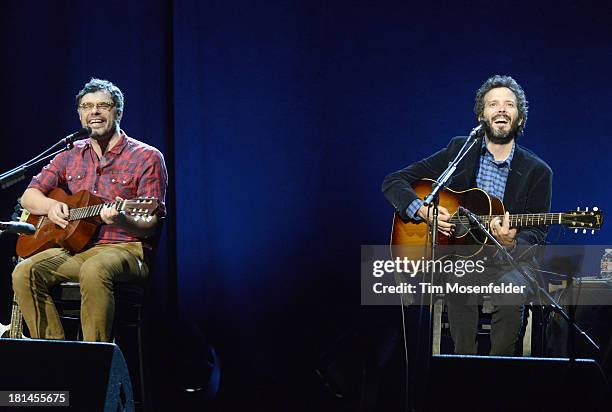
(500, 121)
(96, 122)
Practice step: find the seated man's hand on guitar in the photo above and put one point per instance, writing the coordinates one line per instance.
(502, 232)
(109, 214)
(444, 217)
(58, 213)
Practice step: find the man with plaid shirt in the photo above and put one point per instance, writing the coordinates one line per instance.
(505, 170)
(112, 166)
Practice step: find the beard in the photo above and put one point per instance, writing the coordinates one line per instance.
(104, 135)
(101, 136)
(501, 137)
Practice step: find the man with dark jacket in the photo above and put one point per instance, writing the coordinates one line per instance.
(504, 170)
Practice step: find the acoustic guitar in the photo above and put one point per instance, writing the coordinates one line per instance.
(83, 221)
(469, 239)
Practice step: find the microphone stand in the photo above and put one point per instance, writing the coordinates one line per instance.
(551, 301)
(9, 178)
(432, 199)
(424, 354)
(444, 179)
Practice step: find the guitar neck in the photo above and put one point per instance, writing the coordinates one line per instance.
(91, 211)
(527, 219)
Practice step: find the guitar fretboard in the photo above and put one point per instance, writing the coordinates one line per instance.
(527, 219)
(90, 211)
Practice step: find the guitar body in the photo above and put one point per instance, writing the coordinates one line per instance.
(414, 234)
(74, 237)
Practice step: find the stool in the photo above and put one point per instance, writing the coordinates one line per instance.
(129, 308)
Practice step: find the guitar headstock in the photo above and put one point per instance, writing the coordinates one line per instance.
(142, 208)
(585, 220)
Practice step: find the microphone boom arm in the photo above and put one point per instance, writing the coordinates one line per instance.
(445, 177)
(17, 174)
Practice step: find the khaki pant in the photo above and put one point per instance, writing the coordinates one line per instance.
(96, 269)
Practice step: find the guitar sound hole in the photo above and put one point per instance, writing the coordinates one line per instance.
(461, 229)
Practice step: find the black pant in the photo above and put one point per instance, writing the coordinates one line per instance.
(506, 318)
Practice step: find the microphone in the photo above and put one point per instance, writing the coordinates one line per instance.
(471, 216)
(478, 130)
(81, 134)
(18, 227)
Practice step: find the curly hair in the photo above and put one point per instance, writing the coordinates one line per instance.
(510, 83)
(95, 85)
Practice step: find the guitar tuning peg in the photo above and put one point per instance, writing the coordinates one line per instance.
(575, 230)
(583, 231)
(592, 231)
(595, 209)
(586, 209)
(578, 209)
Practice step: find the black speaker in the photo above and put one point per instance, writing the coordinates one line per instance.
(493, 383)
(592, 312)
(94, 374)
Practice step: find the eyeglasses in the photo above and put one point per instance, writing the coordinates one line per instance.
(103, 106)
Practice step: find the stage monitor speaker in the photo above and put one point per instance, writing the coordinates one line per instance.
(494, 383)
(592, 312)
(94, 374)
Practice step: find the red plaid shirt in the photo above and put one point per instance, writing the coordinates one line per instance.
(129, 170)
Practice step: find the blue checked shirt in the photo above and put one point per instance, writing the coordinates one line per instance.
(492, 177)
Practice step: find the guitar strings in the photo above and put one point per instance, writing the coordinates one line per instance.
(88, 211)
(94, 210)
(514, 219)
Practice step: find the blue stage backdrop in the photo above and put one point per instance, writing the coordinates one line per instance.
(279, 120)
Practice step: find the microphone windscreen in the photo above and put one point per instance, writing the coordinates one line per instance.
(85, 131)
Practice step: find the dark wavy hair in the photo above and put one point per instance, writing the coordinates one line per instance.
(510, 83)
(99, 84)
